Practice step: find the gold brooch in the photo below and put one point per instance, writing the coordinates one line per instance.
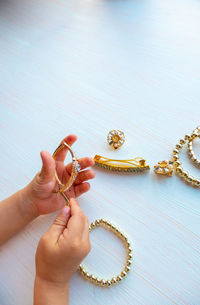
(164, 168)
(116, 138)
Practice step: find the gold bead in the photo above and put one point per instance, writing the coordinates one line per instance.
(128, 243)
(197, 183)
(175, 151)
(108, 283)
(185, 174)
(103, 282)
(113, 281)
(177, 163)
(178, 146)
(187, 137)
(87, 276)
(129, 249)
(92, 225)
(127, 268)
(98, 281)
(93, 278)
(182, 141)
(175, 157)
(130, 256)
(189, 179)
(80, 267)
(179, 170)
(97, 222)
(119, 278)
(123, 273)
(129, 262)
(194, 134)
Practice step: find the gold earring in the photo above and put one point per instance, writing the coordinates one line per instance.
(116, 138)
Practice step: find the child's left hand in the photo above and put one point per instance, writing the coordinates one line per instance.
(40, 189)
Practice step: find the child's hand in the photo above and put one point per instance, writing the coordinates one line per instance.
(41, 187)
(60, 251)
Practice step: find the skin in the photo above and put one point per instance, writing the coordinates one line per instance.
(59, 253)
(68, 237)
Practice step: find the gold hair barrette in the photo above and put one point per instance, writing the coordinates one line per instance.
(130, 166)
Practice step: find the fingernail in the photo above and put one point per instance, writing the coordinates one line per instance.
(66, 210)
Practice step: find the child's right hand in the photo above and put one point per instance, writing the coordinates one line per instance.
(62, 248)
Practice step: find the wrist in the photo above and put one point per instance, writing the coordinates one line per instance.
(49, 292)
(26, 204)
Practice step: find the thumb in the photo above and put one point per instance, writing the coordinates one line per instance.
(60, 223)
(48, 166)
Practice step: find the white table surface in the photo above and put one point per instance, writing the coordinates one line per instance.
(87, 67)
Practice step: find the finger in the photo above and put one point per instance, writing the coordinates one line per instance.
(84, 162)
(48, 167)
(70, 139)
(85, 175)
(60, 223)
(86, 230)
(76, 223)
(81, 188)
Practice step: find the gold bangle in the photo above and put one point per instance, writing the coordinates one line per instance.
(114, 280)
(75, 169)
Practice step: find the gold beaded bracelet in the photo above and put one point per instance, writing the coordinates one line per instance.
(178, 165)
(195, 134)
(114, 280)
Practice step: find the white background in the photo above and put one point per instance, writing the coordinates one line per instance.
(86, 67)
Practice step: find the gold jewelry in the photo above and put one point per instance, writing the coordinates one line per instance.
(114, 280)
(178, 165)
(116, 138)
(195, 134)
(130, 166)
(164, 168)
(75, 170)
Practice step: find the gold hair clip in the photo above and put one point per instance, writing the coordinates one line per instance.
(130, 166)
